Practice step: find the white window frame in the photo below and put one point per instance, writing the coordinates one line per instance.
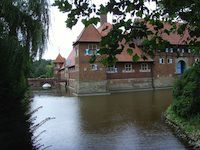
(112, 69)
(183, 50)
(171, 50)
(161, 61)
(94, 67)
(88, 52)
(166, 50)
(128, 67)
(92, 49)
(170, 60)
(189, 50)
(144, 67)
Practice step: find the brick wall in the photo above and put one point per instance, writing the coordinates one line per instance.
(85, 68)
(136, 73)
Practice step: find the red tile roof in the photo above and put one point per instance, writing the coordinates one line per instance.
(174, 38)
(89, 34)
(59, 59)
(125, 57)
(71, 59)
(105, 29)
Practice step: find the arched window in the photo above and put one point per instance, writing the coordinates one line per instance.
(180, 67)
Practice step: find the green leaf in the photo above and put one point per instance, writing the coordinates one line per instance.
(93, 59)
(139, 14)
(135, 58)
(130, 51)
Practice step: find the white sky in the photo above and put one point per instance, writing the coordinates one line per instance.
(61, 38)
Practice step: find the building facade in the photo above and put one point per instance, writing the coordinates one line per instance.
(59, 68)
(157, 72)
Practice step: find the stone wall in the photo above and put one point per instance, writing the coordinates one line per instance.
(163, 82)
(88, 87)
(129, 84)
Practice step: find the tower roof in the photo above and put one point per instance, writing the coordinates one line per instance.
(59, 59)
(89, 34)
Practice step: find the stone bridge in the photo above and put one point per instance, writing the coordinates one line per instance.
(38, 82)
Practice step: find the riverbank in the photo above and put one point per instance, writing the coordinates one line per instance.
(186, 129)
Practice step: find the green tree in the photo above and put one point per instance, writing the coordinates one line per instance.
(23, 34)
(186, 12)
(124, 26)
(42, 68)
(186, 93)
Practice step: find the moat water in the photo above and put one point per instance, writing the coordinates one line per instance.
(121, 121)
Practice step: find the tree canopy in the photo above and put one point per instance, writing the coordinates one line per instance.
(23, 35)
(42, 68)
(125, 26)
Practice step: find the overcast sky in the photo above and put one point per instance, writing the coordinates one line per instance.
(61, 38)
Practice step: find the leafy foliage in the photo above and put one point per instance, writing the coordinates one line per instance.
(23, 33)
(41, 68)
(186, 93)
(128, 29)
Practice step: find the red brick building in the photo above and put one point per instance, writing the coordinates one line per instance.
(59, 69)
(158, 72)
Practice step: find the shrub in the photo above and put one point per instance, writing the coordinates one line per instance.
(186, 93)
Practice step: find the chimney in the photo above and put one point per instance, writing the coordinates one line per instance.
(103, 19)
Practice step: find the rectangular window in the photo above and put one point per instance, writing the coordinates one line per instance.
(189, 50)
(161, 60)
(169, 60)
(111, 69)
(88, 52)
(92, 46)
(145, 68)
(93, 49)
(166, 50)
(94, 67)
(128, 67)
(171, 50)
(183, 50)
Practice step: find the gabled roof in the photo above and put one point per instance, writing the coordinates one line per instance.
(59, 59)
(125, 57)
(71, 59)
(173, 38)
(89, 34)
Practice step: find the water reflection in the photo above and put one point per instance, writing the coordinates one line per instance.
(118, 121)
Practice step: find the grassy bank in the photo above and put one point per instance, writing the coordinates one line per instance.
(187, 129)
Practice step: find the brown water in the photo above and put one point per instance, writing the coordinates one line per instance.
(123, 121)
